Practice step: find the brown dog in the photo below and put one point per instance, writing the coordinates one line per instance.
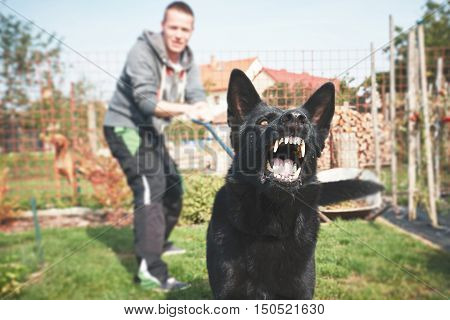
(63, 165)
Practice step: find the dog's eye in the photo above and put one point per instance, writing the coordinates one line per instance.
(263, 123)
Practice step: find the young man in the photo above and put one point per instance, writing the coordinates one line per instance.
(159, 81)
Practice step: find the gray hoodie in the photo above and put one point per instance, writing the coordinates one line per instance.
(139, 86)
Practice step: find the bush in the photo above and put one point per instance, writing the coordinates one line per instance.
(11, 275)
(199, 193)
(184, 130)
(7, 209)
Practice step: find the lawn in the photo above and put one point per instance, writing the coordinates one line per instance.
(31, 176)
(355, 260)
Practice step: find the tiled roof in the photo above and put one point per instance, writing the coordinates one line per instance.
(307, 80)
(216, 74)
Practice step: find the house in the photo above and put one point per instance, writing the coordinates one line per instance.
(296, 87)
(216, 74)
(291, 78)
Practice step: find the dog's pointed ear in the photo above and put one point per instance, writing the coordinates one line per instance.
(320, 111)
(242, 97)
(320, 106)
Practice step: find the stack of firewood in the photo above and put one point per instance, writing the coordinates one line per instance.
(353, 140)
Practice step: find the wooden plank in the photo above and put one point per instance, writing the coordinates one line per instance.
(428, 153)
(392, 97)
(412, 141)
(92, 127)
(375, 112)
(438, 141)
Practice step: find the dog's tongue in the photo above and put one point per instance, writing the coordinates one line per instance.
(283, 167)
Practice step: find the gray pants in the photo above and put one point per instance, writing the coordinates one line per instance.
(157, 193)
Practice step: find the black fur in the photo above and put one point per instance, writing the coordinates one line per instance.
(262, 234)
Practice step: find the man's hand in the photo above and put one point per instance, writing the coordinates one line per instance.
(166, 109)
(201, 104)
(200, 111)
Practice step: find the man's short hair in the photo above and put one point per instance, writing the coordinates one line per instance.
(179, 6)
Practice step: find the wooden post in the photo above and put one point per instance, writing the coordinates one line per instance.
(375, 112)
(412, 141)
(92, 127)
(52, 96)
(417, 86)
(73, 128)
(347, 150)
(437, 148)
(392, 113)
(37, 232)
(428, 154)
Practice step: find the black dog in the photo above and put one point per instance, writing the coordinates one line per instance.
(263, 231)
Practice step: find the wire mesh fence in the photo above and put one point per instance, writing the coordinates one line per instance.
(51, 142)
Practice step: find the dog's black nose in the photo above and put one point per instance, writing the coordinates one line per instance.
(293, 117)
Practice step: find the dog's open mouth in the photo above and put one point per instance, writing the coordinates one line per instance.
(285, 159)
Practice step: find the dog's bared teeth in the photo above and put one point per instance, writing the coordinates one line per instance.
(277, 166)
(298, 140)
(269, 167)
(286, 140)
(303, 149)
(275, 147)
(297, 173)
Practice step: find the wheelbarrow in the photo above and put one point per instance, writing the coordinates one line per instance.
(368, 207)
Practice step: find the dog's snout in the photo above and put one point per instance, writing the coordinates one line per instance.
(294, 117)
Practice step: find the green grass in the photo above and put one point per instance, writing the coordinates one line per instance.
(346, 267)
(26, 162)
(44, 190)
(31, 175)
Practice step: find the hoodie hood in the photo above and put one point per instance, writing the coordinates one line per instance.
(156, 42)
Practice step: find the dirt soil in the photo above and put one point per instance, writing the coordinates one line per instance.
(117, 219)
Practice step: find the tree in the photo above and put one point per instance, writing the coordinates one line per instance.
(436, 23)
(24, 53)
(345, 92)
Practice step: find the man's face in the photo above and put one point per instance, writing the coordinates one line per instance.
(177, 30)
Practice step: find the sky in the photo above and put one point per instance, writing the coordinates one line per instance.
(111, 27)
(98, 25)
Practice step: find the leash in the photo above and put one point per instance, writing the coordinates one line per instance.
(216, 137)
